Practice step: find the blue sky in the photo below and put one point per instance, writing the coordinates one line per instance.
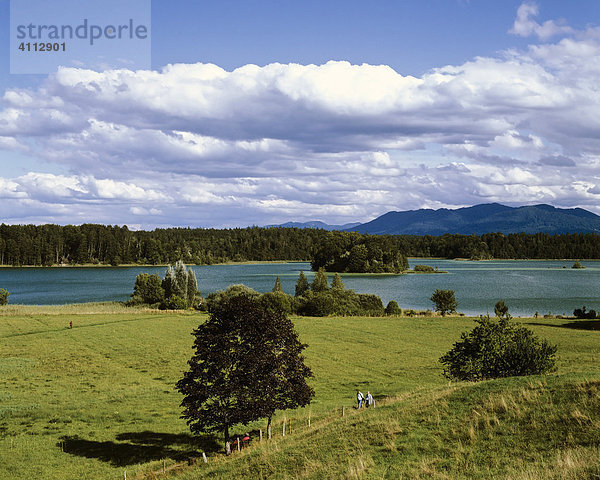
(264, 112)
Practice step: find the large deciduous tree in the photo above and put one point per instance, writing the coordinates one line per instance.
(247, 364)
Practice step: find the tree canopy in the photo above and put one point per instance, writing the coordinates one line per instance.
(357, 253)
(336, 251)
(247, 364)
(444, 301)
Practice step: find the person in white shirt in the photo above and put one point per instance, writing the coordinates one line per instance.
(359, 398)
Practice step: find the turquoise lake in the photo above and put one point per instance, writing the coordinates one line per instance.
(526, 286)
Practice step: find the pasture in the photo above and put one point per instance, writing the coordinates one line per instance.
(97, 399)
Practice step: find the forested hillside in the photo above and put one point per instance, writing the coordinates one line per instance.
(114, 245)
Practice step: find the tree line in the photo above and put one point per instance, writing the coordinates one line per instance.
(45, 245)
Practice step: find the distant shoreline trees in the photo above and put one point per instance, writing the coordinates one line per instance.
(90, 244)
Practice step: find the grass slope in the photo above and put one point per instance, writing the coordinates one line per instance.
(533, 428)
(92, 401)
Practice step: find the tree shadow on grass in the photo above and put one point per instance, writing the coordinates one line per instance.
(140, 447)
(575, 324)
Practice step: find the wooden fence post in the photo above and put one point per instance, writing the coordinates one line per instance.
(343, 411)
(283, 435)
(309, 420)
(269, 432)
(290, 426)
(227, 448)
(124, 474)
(260, 434)
(204, 457)
(238, 444)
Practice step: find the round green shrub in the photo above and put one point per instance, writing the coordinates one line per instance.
(392, 308)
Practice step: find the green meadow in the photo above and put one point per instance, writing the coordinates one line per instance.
(98, 400)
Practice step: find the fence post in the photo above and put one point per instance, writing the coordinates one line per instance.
(124, 474)
(204, 457)
(290, 426)
(309, 420)
(238, 443)
(283, 435)
(260, 434)
(269, 432)
(343, 411)
(227, 448)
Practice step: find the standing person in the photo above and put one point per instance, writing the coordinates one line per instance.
(359, 398)
(369, 399)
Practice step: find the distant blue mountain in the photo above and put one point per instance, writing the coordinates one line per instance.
(485, 218)
(317, 224)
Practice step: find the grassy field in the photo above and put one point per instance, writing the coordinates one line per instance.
(98, 399)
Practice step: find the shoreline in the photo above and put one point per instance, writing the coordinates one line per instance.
(163, 265)
(266, 262)
(118, 308)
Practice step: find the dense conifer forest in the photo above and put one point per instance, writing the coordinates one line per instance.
(47, 245)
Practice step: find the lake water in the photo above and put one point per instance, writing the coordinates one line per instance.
(525, 286)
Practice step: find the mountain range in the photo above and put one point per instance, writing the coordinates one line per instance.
(478, 219)
(318, 224)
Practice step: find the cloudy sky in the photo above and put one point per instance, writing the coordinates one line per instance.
(256, 113)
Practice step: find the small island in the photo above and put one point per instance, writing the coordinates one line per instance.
(345, 252)
(425, 269)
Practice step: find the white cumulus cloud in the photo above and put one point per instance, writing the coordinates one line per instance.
(195, 144)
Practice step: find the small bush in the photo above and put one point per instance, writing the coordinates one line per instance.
(277, 301)
(501, 309)
(392, 308)
(577, 265)
(498, 348)
(318, 304)
(581, 313)
(4, 296)
(174, 302)
(134, 301)
(370, 304)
